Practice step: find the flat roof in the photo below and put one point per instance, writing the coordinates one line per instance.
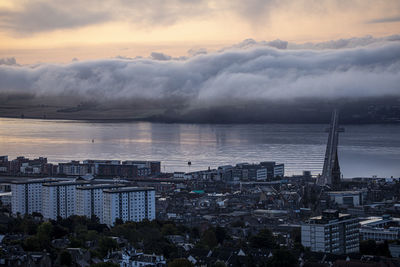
(36, 181)
(320, 220)
(66, 183)
(99, 186)
(378, 220)
(343, 192)
(128, 189)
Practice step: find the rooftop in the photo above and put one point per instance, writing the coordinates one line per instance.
(99, 186)
(63, 183)
(36, 181)
(128, 189)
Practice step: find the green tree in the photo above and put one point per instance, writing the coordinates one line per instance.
(44, 234)
(106, 244)
(238, 224)
(32, 244)
(368, 247)
(65, 258)
(282, 257)
(220, 234)
(169, 229)
(29, 226)
(181, 262)
(104, 264)
(209, 239)
(264, 239)
(219, 264)
(126, 230)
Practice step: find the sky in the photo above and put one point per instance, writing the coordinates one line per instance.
(196, 53)
(58, 31)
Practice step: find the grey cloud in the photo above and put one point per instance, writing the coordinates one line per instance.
(159, 56)
(198, 51)
(40, 16)
(353, 42)
(251, 43)
(258, 73)
(385, 20)
(255, 11)
(346, 43)
(8, 61)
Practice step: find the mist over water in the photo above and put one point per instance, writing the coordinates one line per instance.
(364, 150)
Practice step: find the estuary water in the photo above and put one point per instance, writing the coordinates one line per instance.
(364, 150)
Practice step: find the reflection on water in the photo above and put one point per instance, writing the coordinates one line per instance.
(365, 150)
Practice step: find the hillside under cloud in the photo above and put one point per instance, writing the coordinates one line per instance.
(248, 82)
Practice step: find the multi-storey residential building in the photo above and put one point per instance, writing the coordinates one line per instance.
(273, 170)
(128, 204)
(4, 164)
(153, 166)
(279, 170)
(332, 232)
(89, 199)
(59, 199)
(27, 195)
(96, 163)
(75, 168)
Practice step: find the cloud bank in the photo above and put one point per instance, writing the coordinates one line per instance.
(265, 71)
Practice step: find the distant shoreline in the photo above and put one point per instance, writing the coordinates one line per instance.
(178, 121)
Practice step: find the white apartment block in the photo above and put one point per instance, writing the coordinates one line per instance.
(279, 170)
(59, 199)
(261, 174)
(128, 204)
(332, 232)
(89, 199)
(27, 195)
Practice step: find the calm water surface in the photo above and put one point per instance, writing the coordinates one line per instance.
(364, 150)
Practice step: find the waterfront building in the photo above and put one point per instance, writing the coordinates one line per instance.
(75, 168)
(153, 166)
(4, 164)
(128, 204)
(332, 232)
(273, 170)
(27, 195)
(279, 170)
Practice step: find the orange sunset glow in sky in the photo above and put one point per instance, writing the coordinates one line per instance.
(58, 31)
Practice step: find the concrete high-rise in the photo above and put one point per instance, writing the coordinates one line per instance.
(128, 204)
(332, 232)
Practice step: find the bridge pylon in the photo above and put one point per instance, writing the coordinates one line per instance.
(331, 171)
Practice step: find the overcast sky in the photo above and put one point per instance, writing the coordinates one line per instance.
(58, 31)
